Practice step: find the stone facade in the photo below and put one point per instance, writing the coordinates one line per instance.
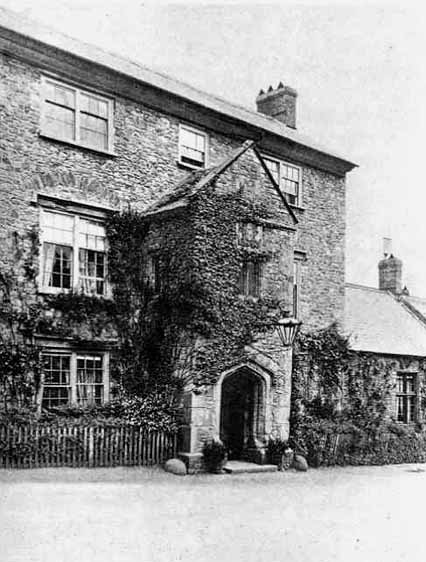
(143, 166)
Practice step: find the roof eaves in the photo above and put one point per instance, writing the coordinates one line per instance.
(35, 31)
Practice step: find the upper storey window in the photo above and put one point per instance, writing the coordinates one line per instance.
(73, 253)
(288, 177)
(192, 147)
(76, 116)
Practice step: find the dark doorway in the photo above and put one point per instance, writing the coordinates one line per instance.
(241, 412)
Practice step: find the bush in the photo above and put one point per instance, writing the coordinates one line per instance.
(152, 412)
(215, 454)
(339, 442)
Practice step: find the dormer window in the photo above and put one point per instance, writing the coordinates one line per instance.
(288, 177)
(192, 147)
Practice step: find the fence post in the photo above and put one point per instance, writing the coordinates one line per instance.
(91, 444)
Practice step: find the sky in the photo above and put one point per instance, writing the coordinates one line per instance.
(359, 70)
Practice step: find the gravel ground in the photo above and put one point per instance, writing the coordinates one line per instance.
(368, 514)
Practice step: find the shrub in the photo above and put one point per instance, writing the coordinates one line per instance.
(215, 454)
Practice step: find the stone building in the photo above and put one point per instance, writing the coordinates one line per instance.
(84, 132)
(390, 325)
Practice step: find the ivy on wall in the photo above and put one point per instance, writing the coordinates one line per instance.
(342, 405)
(186, 331)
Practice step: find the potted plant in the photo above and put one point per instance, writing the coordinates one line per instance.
(215, 455)
(280, 453)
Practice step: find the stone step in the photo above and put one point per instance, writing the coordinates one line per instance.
(240, 467)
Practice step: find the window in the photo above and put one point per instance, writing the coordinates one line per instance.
(72, 377)
(57, 389)
(296, 287)
(192, 147)
(153, 277)
(77, 116)
(249, 233)
(90, 384)
(73, 253)
(406, 396)
(250, 278)
(288, 178)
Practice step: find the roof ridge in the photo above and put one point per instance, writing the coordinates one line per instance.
(414, 312)
(368, 288)
(143, 66)
(37, 31)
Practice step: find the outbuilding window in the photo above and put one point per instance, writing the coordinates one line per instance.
(77, 116)
(406, 397)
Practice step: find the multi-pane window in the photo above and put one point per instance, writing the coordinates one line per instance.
(73, 253)
(72, 377)
(192, 147)
(249, 233)
(406, 396)
(56, 389)
(73, 115)
(288, 178)
(250, 278)
(90, 383)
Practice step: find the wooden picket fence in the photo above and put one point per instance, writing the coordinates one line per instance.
(42, 445)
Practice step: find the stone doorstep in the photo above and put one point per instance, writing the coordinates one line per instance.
(240, 467)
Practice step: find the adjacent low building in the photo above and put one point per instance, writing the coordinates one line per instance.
(390, 324)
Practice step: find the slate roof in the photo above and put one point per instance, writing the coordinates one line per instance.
(43, 34)
(376, 321)
(195, 181)
(417, 305)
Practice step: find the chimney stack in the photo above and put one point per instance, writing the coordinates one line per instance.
(279, 104)
(390, 270)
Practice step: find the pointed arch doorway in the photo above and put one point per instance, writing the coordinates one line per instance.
(242, 412)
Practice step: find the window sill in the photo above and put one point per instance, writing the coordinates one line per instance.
(108, 153)
(249, 298)
(184, 166)
(297, 207)
(51, 291)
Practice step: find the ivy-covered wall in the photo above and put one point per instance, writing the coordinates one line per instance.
(199, 247)
(344, 403)
(143, 169)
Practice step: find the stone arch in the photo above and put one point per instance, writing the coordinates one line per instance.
(243, 407)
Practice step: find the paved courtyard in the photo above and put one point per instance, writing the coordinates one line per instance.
(368, 514)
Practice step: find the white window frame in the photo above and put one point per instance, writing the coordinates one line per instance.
(407, 395)
(75, 270)
(183, 126)
(286, 163)
(78, 91)
(73, 355)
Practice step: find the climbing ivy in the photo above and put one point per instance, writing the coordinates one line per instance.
(339, 396)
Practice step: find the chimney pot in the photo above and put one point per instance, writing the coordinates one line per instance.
(390, 270)
(279, 104)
